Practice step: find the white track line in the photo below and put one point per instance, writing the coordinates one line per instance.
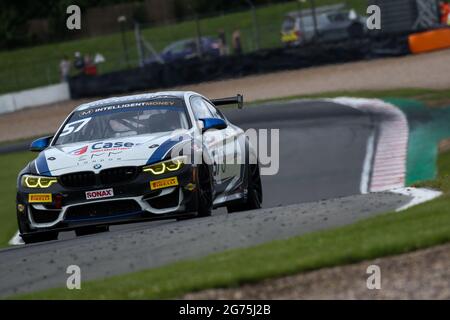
(367, 167)
(419, 195)
(16, 240)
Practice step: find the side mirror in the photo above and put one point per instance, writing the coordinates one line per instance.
(40, 144)
(213, 123)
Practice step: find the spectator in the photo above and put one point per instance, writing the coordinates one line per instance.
(222, 43)
(64, 69)
(445, 13)
(237, 45)
(99, 58)
(78, 62)
(90, 69)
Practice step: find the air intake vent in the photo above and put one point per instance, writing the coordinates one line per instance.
(102, 209)
(105, 178)
(78, 179)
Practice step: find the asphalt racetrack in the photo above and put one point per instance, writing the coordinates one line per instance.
(322, 153)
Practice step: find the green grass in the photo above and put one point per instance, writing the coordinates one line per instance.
(392, 233)
(37, 66)
(442, 182)
(11, 164)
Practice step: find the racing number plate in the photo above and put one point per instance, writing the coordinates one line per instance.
(164, 183)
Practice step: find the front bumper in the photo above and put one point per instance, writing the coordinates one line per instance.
(132, 201)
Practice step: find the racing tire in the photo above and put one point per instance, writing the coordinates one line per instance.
(204, 192)
(85, 231)
(254, 192)
(39, 237)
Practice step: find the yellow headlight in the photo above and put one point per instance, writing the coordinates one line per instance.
(166, 166)
(174, 165)
(38, 182)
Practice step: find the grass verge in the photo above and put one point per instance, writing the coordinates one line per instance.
(392, 233)
(11, 165)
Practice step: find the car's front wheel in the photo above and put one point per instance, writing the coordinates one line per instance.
(39, 237)
(254, 192)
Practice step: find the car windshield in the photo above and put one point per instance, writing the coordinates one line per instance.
(178, 46)
(338, 17)
(288, 25)
(124, 120)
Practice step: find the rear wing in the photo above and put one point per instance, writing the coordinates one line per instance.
(238, 99)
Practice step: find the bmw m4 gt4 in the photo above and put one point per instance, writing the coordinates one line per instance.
(152, 156)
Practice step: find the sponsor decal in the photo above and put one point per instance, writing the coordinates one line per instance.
(79, 151)
(112, 153)
(112, 146)
(102, 151)
(40, 198)
(164, 183)
(162, 103)
(99, 157)
(99, 194)
(86, 113)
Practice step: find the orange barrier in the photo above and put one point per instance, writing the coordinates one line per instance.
(429, 41)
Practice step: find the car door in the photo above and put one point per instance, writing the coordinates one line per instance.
(232, 152)
(211, 139)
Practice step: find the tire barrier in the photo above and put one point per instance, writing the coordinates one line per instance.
(157, 76)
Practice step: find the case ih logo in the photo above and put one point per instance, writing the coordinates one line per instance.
(79, 152)
(98, 194)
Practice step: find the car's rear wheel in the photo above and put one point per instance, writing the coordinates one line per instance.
(39, 237)
(254, 192)
(84, 231)
(204, 192)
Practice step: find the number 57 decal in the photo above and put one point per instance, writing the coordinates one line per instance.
(74, 127)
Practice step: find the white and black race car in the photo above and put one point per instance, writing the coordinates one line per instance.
(136, 158)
